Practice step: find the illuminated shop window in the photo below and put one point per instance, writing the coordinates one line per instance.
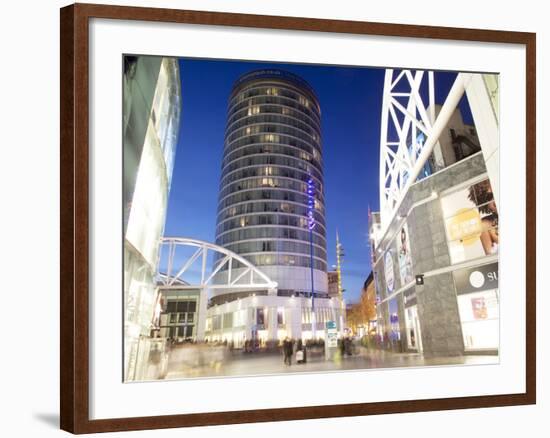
(471, 222)
(479, 315)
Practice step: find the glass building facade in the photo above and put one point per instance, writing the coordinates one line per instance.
(272, 149)
(151, 104)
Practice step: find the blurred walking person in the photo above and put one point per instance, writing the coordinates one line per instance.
(287, 351)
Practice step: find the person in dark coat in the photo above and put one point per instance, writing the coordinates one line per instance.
(287, 351)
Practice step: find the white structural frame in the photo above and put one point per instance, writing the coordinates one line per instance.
(248, 276)
(405, 115)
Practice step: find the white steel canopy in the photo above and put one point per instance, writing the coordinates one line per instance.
(409, 131)
(243, 276)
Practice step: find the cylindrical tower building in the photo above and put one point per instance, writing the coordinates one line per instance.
(272, 148)
(272, 157)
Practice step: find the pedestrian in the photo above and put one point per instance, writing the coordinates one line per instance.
(287, 351)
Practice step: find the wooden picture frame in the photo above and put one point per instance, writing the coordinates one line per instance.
(75, 226)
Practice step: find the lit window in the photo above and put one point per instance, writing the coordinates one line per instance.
(273, 91)
(271, 138)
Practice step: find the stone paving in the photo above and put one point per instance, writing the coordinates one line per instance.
(237, 363)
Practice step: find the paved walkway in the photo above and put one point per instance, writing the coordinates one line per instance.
(241, 364)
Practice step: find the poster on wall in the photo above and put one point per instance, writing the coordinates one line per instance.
(471, 222)
(388, 272)
(404, 256)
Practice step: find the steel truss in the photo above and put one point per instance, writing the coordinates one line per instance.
(409, 132)
(244, 276)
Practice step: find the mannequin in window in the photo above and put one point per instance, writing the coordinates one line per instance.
(481, 194)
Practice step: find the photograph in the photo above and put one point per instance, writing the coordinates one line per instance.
(283, 218)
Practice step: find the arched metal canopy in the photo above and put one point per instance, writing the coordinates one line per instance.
(409, 131)
(243, 276)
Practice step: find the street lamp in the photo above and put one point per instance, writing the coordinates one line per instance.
(311, 225)
(339, 256)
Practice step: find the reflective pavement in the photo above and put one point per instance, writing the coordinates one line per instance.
(223, 363)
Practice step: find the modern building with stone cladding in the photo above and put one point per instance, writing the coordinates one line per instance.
(436, 264)
(272, 156)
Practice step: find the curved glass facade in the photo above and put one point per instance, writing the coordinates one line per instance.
(272, 148)
(152, 107)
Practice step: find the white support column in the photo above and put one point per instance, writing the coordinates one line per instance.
(293, 320)
(272, 324)
(201, 314)
(485, 119)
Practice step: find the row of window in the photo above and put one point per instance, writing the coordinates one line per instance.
(268, 128)
(275, 207)
(322, 315)
(268, 149)
(265, 159)
(278, 246)
(257, 101)
(266, 219)
(181, 306)
(178, 332)
(272, 171)
(243, 111)
(271, 232)
(284, 119)
(301, 293)
(271, 90)
(277, 259)
(284, 189)
(282, 139)
(283, 145)
(259, 316)
(183, 317)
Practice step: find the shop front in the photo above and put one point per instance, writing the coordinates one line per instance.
(412, 322)
(478, 305)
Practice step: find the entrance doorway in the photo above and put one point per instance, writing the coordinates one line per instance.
(414, 336)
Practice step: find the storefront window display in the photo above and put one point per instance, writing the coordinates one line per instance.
(479, 318)
(471, 222)
(412, 322)
(395, 334)
(477, 296)
(404, 256)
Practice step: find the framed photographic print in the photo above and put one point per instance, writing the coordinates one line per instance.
(271, 218)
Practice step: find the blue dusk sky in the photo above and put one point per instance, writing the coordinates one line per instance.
(350, 100)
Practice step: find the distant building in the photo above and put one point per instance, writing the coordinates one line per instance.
(332, 277)
(180, 314)
(458, 141)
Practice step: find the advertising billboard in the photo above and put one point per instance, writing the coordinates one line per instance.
(471, 222)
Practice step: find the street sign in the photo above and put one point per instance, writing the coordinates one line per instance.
(331, 335)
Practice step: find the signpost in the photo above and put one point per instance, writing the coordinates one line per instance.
(331, 340)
